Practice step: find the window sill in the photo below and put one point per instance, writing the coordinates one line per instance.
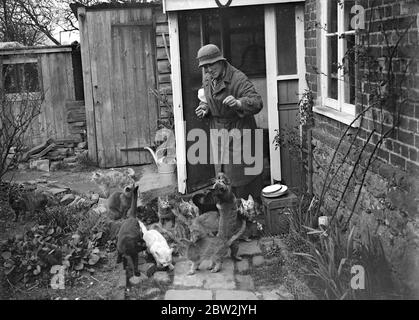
(345, 118)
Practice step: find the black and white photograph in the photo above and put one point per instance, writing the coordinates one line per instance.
(209, 157)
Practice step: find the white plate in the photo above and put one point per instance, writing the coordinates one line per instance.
(272, 188)
(283, 190)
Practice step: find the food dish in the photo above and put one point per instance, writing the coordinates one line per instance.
(272, 189)
(279, 193)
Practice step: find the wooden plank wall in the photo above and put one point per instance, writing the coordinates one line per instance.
(57, 83)
(101, 31)
(163, 59)
(108, 43)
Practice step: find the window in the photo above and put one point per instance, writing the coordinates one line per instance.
(338, 65)
(20, 77)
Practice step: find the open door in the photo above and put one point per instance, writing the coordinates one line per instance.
(238, 32)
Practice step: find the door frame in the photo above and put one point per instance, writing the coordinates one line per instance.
(272, 77)
(176, 78)
(271, 80)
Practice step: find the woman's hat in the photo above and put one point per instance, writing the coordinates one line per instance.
(209, 54)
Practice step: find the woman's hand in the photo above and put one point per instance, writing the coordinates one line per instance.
(231, 102)
(202, 110)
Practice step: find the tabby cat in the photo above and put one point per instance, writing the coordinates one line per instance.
(22, 201)
(249, 210)
(209, 248)
(165, 213)
(109, 179)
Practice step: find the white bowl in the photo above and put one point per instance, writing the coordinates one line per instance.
(279, 193)
(272, 188)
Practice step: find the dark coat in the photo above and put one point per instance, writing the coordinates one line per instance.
(237, 84)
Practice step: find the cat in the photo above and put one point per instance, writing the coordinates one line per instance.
(207, 223)
(249, 210)
(209, 248)
(130, 238)
(22, 201)
(158, 247)
(165, 213)
(228, 209)
(112, 178)
(188, 209)
(205, 201)
(119, 203)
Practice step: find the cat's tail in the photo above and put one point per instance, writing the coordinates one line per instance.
(237, 235)
(143, 227)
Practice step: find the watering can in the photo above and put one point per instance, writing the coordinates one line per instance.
(165, 164)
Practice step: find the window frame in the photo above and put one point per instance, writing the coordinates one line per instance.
(16, 60)
(337, 109)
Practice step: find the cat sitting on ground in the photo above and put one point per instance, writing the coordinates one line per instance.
(249, 210)
(165, 213)
(119, 203)
(113, 178)
(130, 238)
(202, 247)
(158, 247)
(22, 201)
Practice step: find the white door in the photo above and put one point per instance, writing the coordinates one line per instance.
(285, 75)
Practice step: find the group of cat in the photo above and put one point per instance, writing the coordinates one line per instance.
(203, 235)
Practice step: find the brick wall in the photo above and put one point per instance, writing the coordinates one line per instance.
(388, 203)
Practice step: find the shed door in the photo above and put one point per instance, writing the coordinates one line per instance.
(125, 112)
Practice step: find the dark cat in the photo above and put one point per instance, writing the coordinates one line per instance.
(205, 201)
(209, 248)
(119, 202)
(22, 201)
(130, 238)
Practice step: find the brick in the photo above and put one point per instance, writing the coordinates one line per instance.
(405, 151)
(413, 154)
(398, 161)
(406, 137)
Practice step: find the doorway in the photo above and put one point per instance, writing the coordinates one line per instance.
(267, 44)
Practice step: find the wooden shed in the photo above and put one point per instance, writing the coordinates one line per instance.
(53, 73)
(122, 50)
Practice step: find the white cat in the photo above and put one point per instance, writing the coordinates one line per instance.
(158, 247)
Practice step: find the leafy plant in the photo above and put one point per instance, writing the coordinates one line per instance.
(74, 237)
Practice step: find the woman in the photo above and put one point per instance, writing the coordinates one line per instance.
(230, 102)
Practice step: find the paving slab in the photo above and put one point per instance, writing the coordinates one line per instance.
(181, 278)
(258, 261)
(242, 265)
(249, 248)
(235, 295)
(192, 294)
(245, 282)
